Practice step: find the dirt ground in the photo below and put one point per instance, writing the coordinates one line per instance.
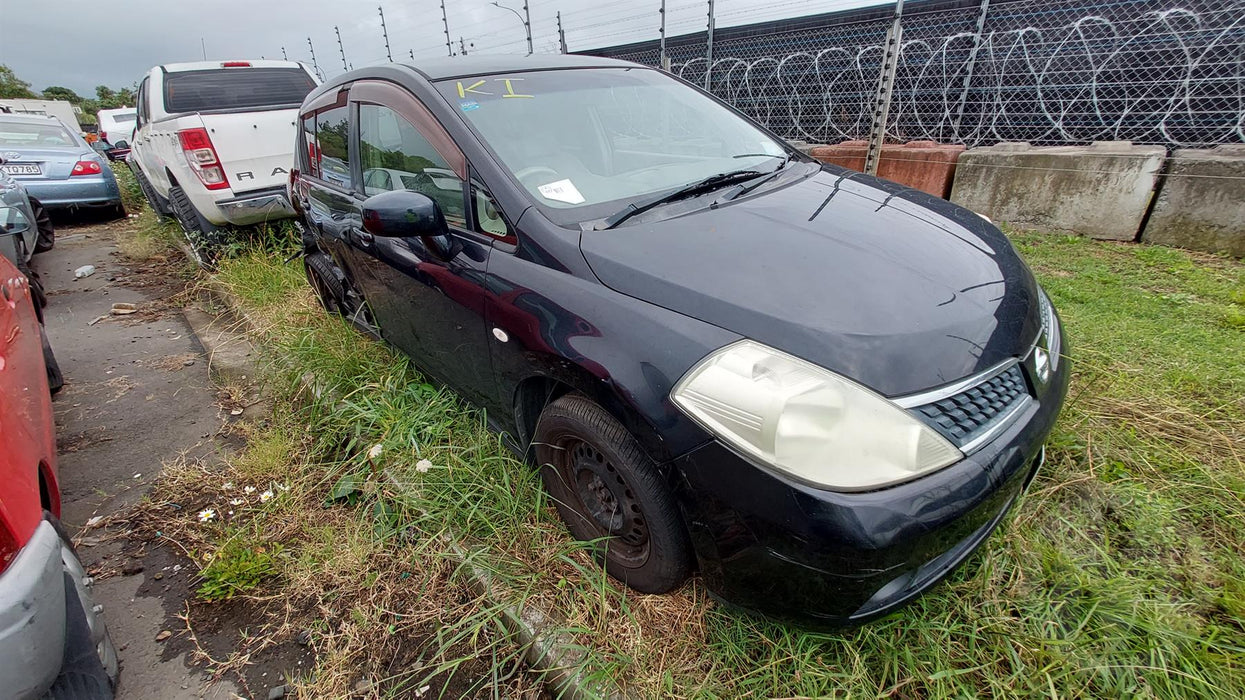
(138, 395)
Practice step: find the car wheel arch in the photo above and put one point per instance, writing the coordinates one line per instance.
(535, 392)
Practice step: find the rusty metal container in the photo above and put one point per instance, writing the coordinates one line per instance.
(923, 165)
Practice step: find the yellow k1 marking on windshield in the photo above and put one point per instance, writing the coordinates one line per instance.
(474, 88)
(462, 91)
(510, 88)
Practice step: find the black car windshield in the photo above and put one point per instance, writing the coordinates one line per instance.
(14, 133)
(235, 88)
(580, 137)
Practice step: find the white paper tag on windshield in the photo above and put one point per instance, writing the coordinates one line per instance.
(561, 191)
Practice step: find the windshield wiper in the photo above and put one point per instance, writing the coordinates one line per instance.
(641, 206)
(743, 189)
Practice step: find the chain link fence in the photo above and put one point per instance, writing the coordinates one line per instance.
(982, 71)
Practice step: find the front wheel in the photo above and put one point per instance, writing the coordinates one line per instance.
(202, 235)
(610, 493)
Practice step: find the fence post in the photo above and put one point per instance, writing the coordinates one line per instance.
(445, 22)
(663, 59)
(385, 32)
(886, 85)
(709, 47)
(968, 68)
(341, 48)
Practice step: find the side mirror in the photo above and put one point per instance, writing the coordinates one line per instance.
(403, 214)
(121, 144)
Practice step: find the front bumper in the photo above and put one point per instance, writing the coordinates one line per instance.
(770, 544)
(74, 192)
(254, 207)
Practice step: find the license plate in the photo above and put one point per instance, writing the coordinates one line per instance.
(21, 168)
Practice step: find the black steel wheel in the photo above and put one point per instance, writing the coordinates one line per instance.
(610, 493)
(43, 222)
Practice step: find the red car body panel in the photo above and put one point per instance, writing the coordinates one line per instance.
(27, 427)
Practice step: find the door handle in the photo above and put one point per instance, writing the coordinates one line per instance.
(362, 238)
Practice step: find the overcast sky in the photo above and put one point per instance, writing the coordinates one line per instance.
(83, 43)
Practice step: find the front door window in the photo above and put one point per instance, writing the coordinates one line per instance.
(395, 155)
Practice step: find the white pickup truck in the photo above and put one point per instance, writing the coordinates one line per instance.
(214, 142)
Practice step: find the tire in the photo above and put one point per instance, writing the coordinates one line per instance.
(56, 380)
(203, 236)
(43, 222)
(158, 205)
(608, 491)
(36, 284)
(324, 281)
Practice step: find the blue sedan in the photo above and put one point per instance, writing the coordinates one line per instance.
(56, 165)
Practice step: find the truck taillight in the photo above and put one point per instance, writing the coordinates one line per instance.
(202, 158)
(103, 135)
(86, 167)
(236, 64)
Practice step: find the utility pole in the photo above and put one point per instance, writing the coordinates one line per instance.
(562, 34)
(203, 47)
(385, 31)
(313, 58)
(283, 54)
(664, 59)
(462, 46)
(709, 46)
(882, 98)
(341, 48)
(412, 54)
(449, 48)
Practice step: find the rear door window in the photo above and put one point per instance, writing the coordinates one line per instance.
(235, 89)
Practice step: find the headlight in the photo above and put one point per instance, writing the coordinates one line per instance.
(807, 421)
(1046, 350)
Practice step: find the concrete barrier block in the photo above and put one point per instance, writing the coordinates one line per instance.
(923, 165)
(1101, 190)
(1201, 203)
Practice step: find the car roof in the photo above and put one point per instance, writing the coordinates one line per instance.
(215, 65)
(484, 64)
(118, 110)
(29, 118)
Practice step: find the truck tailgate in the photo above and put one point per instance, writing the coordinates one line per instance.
(257, 148)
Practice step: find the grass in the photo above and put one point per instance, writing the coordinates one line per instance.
(1119, 575)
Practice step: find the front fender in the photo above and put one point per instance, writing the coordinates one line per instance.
(624, 353)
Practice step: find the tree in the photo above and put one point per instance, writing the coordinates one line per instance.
(13, 86)
(56, 92)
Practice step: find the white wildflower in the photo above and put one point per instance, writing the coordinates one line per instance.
(248, 489)
(206, 515)
(422, 466)
(228, 485)
(235, 502)
(373, 453)
(265, 496)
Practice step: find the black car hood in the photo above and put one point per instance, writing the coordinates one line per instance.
(894, 288)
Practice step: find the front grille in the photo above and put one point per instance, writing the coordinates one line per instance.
(962, 417)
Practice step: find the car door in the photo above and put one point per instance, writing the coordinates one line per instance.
(426, 293)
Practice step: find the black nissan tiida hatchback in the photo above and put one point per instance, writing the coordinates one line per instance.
(822, 389)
